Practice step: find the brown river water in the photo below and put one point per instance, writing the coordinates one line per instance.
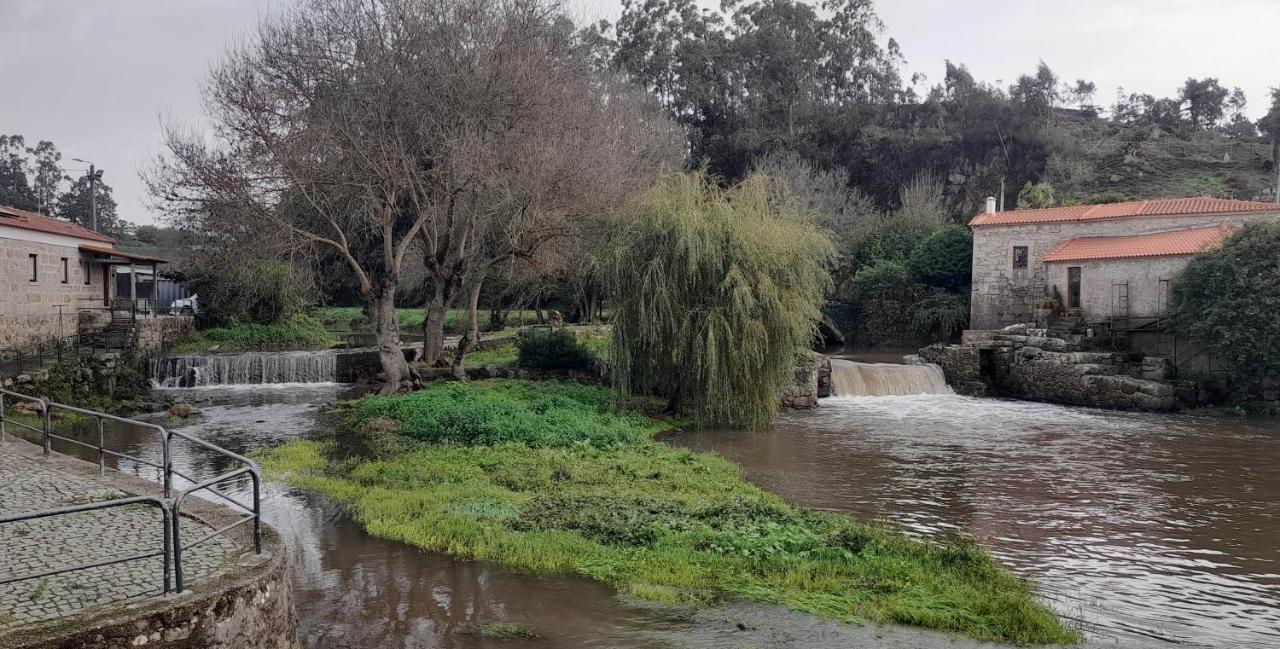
(1144, 530)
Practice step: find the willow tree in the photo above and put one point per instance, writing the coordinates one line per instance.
(715, 294)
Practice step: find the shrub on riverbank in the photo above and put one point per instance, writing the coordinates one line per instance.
(547, 349)
(547, 477)
(299, 332)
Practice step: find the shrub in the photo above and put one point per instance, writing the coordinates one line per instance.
(944, 259)
(1227, 300)
(940, 314)
(549, 349)
(549, 414)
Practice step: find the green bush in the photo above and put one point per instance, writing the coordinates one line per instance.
(299, 332)
(550, 349)
(940, 314)
(1227, 300)
(544, 414)
(257, 291)
(944, 259)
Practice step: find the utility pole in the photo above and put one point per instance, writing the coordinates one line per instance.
(95, 175)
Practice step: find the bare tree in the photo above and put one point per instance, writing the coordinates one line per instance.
(366, 125)
(549, 144)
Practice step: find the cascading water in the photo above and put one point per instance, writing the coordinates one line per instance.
(244, 369)
(854, 379)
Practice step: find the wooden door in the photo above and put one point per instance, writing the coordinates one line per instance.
(1073, 287)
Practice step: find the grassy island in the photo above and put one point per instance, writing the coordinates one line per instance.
(554, 478)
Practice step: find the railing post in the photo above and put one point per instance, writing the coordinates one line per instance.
(167, 472)
(102, 445)
(48, 427)
(167, 517)
(2, 431)
(257, 512)
(177, 550)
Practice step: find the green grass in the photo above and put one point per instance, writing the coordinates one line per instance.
(301, 332)
(549, 478)
(413, 317)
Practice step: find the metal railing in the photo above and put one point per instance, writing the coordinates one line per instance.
(171, 505)
(33, 356)
(168, 521)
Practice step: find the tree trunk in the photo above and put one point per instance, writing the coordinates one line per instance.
(442, 298)
(386, 329)
(472, 337)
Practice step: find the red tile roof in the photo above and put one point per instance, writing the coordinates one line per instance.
(22, 219)
(112, 252)
(1132, 209)
(1159, 244)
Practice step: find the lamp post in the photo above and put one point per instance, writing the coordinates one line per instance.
(95, 175)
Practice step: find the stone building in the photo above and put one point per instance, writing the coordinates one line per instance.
(54, 273)
(1094, 262)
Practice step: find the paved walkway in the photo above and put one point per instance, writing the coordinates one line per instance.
(30, 482)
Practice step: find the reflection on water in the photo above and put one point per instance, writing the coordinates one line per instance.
(1144, 526)
(357, 591)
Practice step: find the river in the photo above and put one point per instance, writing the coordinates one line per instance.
(1144, 529)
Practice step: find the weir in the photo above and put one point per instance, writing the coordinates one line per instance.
(252, 368)
(854, 379)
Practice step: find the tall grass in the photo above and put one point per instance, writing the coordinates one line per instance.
(588, 492)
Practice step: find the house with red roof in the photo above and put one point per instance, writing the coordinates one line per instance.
(1095, 262)
(52, 270)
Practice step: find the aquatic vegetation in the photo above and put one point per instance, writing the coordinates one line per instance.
(589, 492)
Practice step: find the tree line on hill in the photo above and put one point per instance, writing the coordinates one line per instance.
(392, 153)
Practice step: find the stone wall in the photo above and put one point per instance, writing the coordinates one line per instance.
(1003, 296)
(155, 335)
(28, 310)
(804, 393)
(961, 365)
(253, 611)
(1022, 362)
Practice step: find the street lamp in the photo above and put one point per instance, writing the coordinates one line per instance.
(95, 175)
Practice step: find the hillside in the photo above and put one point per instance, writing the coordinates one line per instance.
(1104, 162)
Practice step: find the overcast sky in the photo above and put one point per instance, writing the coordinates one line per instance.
(96, 77)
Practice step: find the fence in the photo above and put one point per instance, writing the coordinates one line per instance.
(170, 505)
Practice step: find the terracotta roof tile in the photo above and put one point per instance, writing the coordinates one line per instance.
(1132, 209)
(22, 219)
(1159, 244)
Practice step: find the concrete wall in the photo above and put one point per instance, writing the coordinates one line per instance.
(28, 310)
(1003, 296)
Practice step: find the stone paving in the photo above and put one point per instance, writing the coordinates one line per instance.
(29, 482)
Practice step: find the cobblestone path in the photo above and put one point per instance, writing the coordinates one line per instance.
(28, 482)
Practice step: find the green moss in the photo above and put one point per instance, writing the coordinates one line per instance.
(600, 499)
(505, 631)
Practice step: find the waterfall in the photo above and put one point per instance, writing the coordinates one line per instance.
(853, 379)
(254, 368)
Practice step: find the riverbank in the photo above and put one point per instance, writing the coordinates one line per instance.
(546, 478)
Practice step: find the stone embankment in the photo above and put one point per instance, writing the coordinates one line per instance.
(1023, 362)
(234, 598)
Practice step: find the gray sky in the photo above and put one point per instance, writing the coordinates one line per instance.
(96, 77)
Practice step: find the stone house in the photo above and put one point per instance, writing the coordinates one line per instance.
(1094, 262)
(53, 274)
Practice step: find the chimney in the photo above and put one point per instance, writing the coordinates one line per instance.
(991, 204)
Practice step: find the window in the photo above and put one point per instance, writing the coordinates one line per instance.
(66, 273)
(1019, 257)
(35, 263)
(88, 278)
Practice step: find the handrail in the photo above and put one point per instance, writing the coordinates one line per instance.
(100, 417)
(4, 419)
(172, 505)
(168, 520)
(255, 514)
